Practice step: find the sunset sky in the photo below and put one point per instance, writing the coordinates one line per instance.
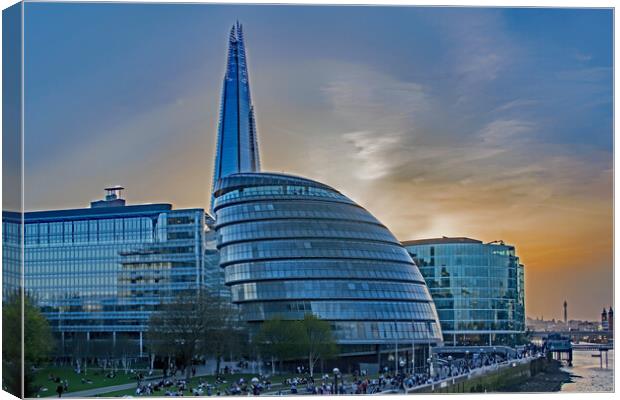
(486, 123)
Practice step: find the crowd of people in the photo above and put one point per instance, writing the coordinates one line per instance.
(444, 367)
(389, 380)
(179, 387)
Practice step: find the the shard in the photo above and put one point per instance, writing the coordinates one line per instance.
(237, 146)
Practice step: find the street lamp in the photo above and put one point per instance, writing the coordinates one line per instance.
(336, 372)
(429, 360)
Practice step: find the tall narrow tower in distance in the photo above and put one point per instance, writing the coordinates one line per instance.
(604, 321)
(565, 313)
(237, 144)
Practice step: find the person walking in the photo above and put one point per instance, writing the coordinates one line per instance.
(59, 390)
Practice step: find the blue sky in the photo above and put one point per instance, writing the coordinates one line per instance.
(489, 123)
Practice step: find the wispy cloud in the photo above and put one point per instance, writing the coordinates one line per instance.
(583, 57)
(516, 104)
(502, 130)
(370, 150)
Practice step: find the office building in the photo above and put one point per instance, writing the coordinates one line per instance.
(478, 288)
(100, 272)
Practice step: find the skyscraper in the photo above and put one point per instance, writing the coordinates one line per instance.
(237, 146)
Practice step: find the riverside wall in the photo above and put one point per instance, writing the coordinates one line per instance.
(491, 379)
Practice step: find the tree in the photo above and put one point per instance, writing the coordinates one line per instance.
(225, 335)
(277, 339)
(317, 340)
(194, 324)
(37, 341)
(82, 351)
(122, 349)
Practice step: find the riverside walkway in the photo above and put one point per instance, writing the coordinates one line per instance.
(477, 372)
(281, 389)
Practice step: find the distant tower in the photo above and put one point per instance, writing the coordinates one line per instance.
(565, 312)
(610, 319)
(237, 145)
(604, 321)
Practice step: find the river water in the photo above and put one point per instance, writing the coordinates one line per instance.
(587, 374)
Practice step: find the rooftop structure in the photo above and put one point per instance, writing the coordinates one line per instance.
(441, 240)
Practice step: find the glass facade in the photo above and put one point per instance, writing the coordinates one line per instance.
(103, 270)
(11, 253)
(291, 246)
(237, 146)
(478, 288)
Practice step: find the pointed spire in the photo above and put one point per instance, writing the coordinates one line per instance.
(233, 35)
(237, 143)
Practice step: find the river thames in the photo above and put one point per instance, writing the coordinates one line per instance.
(587, 375)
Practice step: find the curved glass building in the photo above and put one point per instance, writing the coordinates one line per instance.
(291, 246)
(478, 288)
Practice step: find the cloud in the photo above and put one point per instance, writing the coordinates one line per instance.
(365, 97)
(516, 104)
(370, 151)
(582, 57)
(496, 176)
(499, 131)
(477, 46)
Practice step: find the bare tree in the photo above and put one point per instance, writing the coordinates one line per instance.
(317, 340)
(194, 324)
(277, 339)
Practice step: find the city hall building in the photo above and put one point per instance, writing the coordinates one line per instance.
(478, 288)
(291, 246)
(100, 272)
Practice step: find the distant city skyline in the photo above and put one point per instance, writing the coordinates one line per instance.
(485, 123)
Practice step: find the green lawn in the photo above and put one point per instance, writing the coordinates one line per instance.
(96, 375)
(194, 381)
(98, 378)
